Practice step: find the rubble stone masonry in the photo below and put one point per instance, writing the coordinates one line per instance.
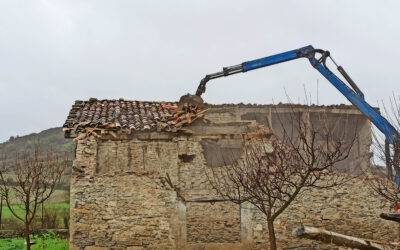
(120, 198)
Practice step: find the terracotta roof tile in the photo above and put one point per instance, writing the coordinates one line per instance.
(133, 115)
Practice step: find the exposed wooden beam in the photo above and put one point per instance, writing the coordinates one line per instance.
(391, 216)
(206, 199)
(113, 134)
(341, 239)
(81, 136)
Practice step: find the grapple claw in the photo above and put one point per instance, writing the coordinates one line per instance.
(189, 99)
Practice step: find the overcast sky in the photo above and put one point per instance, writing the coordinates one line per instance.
(55, 52)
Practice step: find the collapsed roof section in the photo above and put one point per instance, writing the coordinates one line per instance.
(127, 115)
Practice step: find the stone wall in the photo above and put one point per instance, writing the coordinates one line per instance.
(121, 200)
(212, 222)
(350, 209)
(125, 205)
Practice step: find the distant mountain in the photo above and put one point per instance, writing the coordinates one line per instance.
(52, 138)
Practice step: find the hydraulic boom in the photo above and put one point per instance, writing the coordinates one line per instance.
(352, 93)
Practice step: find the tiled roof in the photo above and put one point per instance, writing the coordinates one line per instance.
(132, 115)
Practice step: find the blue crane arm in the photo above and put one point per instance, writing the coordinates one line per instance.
(357, 100)
(354, 94)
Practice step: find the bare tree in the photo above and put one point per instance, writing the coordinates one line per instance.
(275, 169)
(381, 182)
(385, 151)
(386, 182)
(36, 176)
(386, 188)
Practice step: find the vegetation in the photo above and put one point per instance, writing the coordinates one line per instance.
(58, 204)
(37, 175)
(49, 241)
(46, 241)
(52, 138)
(388, 153)
(55, 215)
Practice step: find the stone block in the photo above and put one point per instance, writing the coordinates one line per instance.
(96, 248)
(135, 248)
(73, 247)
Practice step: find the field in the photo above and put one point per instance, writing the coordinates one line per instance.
(56, 215)
(17, 244)
(6, 214)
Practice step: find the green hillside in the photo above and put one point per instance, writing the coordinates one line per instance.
(52, 138)
(58, 204)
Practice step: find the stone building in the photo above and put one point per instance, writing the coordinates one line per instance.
(126, 149)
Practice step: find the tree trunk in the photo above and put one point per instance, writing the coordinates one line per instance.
(388, 161)
(396, 159)
(271, 235)
(1, 210)
(42, 214)
(28, 242)
(27, 222)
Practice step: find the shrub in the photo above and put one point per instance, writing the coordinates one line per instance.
(50, 218)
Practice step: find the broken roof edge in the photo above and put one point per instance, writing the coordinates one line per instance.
(280, 104)
(341, 105)
(241, 104)
(142, 116)
(129, 115)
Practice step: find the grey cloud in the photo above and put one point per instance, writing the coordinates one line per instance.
(54, 52)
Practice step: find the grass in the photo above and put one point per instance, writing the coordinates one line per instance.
(18, 243)
(56, 215)
(56, 201)
(58, 196)
(11, 244)
(6, 213)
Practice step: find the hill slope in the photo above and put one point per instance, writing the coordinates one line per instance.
(52, 138)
